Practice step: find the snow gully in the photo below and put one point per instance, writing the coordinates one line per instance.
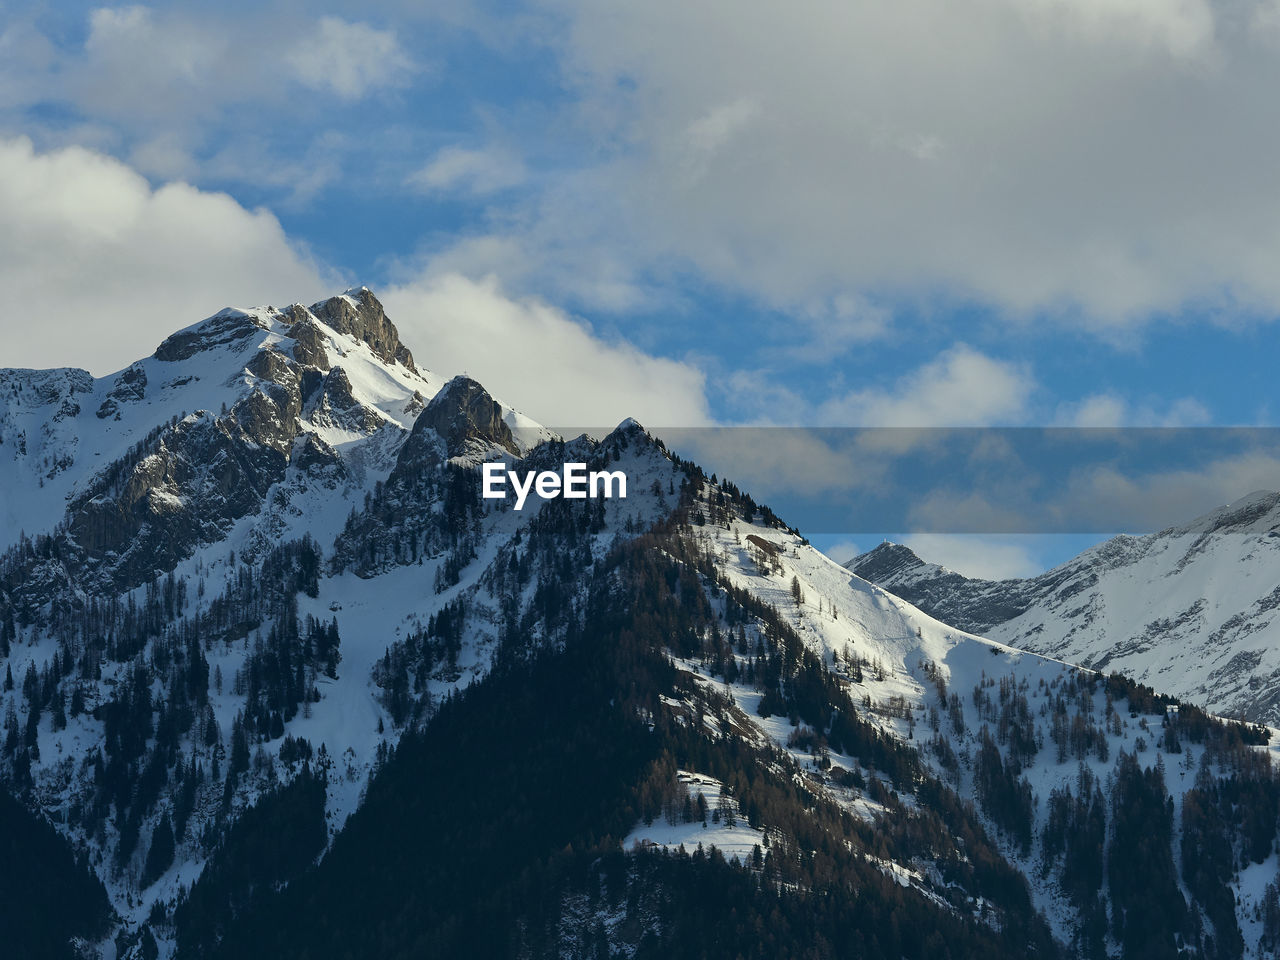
(572, 483)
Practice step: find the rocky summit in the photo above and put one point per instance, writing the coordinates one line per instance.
(277, 679)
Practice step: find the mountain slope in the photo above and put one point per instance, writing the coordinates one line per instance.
(1191, 610)
(489, 831)
(47, 897)
(183, 637)
(281, 675)
(807, 714)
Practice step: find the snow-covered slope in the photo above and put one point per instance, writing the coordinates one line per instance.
(247, 445)
(1055, 728)
(1193, 611)
(263, 550)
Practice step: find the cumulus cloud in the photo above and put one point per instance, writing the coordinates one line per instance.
(138, 65)
(1120, 481)
(1109, 498)
(350, 59)
(539, 358)
(1179, 28)
(960, 387)
(827, 330)
(1103, 162)
(475, 172)
(977, 555)
(1109, 409)
(98, 267)
(842, 551)
(205, 95)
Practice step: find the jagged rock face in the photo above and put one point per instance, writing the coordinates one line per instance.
(426, 499)
(466, 417)
(187, 483)
(337, 405)
(318, 458)
(228, 327)
(308, 346)
(294, 313)
(359, 314)
(183, 485)
(273, 366)
(970, 604)
(191, 485)
(885, 562)
(130, 387)
(198, 482)
(269, 416)
(46, 386)
(38, 414)
(28, 391)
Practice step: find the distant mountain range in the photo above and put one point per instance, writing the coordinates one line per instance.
(278, 680)
(1193, 610)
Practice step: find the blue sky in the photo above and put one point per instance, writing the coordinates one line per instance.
(993, 212)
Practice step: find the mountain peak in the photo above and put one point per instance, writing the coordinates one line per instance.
(360, 314)
(226, 327)
(463, 410)
(462, 416)
(628, 429)
(1237, 516)
(884, 562)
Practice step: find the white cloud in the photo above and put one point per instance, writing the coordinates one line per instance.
(978, 555)
(350, 59)
(842, 551)
(98, 267)
(145, 58)
(1112, 410)
(1102, 162)
(159, 73)
(1179, 28)
(565, 268)
(540, 359)
(1103, 497)
(707, 135)
(960, 387)
(476, 172)
(25, 59)
(207, 95)
(1127, 487)
(833, 327)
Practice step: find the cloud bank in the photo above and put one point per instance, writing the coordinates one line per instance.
(98, 267)
(1105, 162)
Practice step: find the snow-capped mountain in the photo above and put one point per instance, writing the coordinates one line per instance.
(184, 498)
(1193, 610)
(288, 685)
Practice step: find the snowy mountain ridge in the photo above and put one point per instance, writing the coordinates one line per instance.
(257, 575)
(1191, 610)
(251, 429)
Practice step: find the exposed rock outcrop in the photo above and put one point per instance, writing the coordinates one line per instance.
(464, 414)
(359, 314)
(229, 326)
(337, 406)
